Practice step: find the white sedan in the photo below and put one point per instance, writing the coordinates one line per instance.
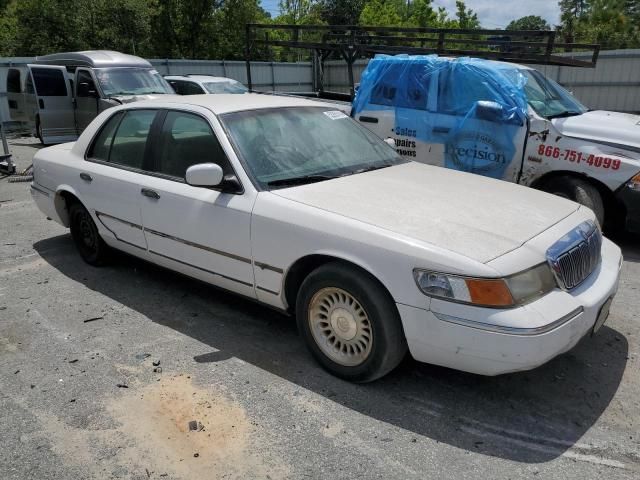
(293, 203)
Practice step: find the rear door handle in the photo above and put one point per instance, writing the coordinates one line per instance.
(368, 119)
(147, 192)
(86, 177)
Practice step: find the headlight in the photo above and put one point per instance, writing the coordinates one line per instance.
(634, 183)
(488, 292)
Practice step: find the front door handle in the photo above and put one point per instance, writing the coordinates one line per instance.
(147, 192)
(438, 129)
(86, 177)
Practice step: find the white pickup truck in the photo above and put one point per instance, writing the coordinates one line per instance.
(508, 122)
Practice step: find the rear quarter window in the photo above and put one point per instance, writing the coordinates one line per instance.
(13, 81)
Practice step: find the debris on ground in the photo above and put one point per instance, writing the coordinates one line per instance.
(92, 319)
(156, 363)
(122, 385)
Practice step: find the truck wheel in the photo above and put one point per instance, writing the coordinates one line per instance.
(350, 323)
(580, 191)
(85, 235)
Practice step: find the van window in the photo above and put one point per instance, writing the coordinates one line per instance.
(85, 77)
(49, 82)
(13, 81)
(186, 140)
(130, 141)
(102, 144)
(186, 88)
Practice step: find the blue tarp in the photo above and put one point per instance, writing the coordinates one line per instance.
(483, 102)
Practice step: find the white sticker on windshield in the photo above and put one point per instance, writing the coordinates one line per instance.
(335, 114)
(154, 72)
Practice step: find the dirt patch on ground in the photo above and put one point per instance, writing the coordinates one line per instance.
(156, 420)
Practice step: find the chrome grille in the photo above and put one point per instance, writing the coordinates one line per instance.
(576, 255)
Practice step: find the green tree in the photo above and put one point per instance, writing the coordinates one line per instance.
(183, 28)
(232, 19)
(340, 12)
(530, 22)
(422, 14)
(8, 28)
(467, 18)
(383, 13)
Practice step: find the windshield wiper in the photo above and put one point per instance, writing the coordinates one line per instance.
(369, 169)
(282, 182)
(564, 114)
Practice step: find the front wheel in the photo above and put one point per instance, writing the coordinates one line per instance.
(85, 235)
(580, 191)
(350, 323)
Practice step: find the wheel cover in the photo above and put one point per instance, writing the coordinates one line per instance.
(340, 326)
(86, 235)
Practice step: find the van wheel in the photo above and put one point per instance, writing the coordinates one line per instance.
(85, 235)
(350, 323)
(578, 190)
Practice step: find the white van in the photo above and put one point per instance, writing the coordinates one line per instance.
(508, 122)
(60, 94)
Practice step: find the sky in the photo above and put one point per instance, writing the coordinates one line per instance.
(492, 13)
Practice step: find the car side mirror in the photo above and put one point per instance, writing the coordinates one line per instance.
(390, 141)
(204, 175)
(488, 110)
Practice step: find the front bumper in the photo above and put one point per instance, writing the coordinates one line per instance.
(492, 342)
(630, 199)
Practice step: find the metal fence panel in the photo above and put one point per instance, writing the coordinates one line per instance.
(613, 85)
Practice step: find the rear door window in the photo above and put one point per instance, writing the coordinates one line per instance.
(49, 82)
(102, 144)
(130, 140)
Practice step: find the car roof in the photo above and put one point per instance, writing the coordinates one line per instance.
(93, 58)
(225, 102)
(200, 78)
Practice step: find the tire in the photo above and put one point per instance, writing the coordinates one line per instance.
(368, 341)
(85, 235)
(580, 191)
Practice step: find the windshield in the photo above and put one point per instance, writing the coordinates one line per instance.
(548, 98)
(131, 81)
(288, 146)
(226, 86)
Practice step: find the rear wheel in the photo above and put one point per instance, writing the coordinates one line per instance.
(578, 190)
(85, 235)
(350, 323)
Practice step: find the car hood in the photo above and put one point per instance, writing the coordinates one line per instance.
(471, 215)
(600, 126)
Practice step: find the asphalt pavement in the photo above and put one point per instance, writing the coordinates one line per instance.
(131, 371)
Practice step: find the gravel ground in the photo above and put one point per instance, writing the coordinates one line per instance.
(79, 397)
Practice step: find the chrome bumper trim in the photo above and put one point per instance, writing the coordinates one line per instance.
(525, 332)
